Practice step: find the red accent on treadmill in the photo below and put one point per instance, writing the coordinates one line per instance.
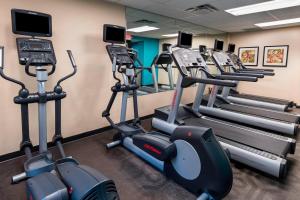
(70, 190)
(151, 148)
(189, 134)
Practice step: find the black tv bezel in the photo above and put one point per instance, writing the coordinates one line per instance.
(215, 45)
(13, 18)
(179, 39)
(105, 26)
(231, 44)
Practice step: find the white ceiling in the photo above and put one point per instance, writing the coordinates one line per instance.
(166, 25)
(219, 20)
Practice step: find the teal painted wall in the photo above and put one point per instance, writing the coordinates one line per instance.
(147, 49)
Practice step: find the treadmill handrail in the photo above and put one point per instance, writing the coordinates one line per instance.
(188, 81)
(244, 74)
(237, 78)
(266, 73)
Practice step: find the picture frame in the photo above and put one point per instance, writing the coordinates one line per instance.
(276, 56)
(249, 55)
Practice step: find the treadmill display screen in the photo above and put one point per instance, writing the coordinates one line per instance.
(231, 48)
(219, 45)
(114, 34)
(31, 23)
(185, 40)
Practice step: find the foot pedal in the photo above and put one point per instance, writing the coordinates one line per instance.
(46, 186)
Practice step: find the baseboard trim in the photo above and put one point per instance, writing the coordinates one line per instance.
(73, 138)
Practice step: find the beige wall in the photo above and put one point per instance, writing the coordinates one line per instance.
(286, 83)
(77, 25)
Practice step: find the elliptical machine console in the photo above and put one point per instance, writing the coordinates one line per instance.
(65, 178)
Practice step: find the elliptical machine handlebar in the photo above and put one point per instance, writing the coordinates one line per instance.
(29, 62)
(5, 76)
(72, 60)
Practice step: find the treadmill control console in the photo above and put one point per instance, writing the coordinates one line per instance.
(38, 51)
(121, 54)
(185, 58)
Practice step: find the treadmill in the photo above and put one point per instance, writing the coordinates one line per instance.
(222, 60)
(255, 100)
(220, 106)
(163, 61)
(258, 149)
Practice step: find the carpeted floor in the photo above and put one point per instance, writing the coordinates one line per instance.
(136, 180)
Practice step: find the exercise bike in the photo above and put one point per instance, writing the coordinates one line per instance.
(191, 156)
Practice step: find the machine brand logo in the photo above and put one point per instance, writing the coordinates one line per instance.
(151, 148)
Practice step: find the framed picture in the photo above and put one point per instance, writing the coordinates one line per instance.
(276, 56)
(249, 55)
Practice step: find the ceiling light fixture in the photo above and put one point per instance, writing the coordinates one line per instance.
(171, 35)
(262, 7)
(279, 22)
(142, 29)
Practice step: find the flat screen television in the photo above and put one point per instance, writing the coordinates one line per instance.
(114, 34)
(218, 45)
(202, 49)
(165, 46)
(25, 22)
(231, 48)
(184, 40)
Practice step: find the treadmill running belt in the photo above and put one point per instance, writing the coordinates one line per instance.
(242, 135)
(261, 98)
(281, 116)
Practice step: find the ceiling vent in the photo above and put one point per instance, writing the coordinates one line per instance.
(145, 21)
(202, 9)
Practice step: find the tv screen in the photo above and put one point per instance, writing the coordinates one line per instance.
(231, 48)
(31, 23)
(114, 34)
(185, 40)
(165, 46)
(219, 45)
(202, 49)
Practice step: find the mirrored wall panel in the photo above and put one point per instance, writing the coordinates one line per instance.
(148, 38)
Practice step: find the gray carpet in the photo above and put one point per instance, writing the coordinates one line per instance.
(136, 180)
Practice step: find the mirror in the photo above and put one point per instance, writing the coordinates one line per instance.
(149, 35)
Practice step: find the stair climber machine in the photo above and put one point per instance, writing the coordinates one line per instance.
(258, 149)
(222, 106)
(260, 101)
(45, 178)
(191, 156)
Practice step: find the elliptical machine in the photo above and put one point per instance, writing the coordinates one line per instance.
(45, 178)
(191, 156)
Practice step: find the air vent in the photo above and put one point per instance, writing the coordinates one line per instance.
(202, 9)
(145, 21)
